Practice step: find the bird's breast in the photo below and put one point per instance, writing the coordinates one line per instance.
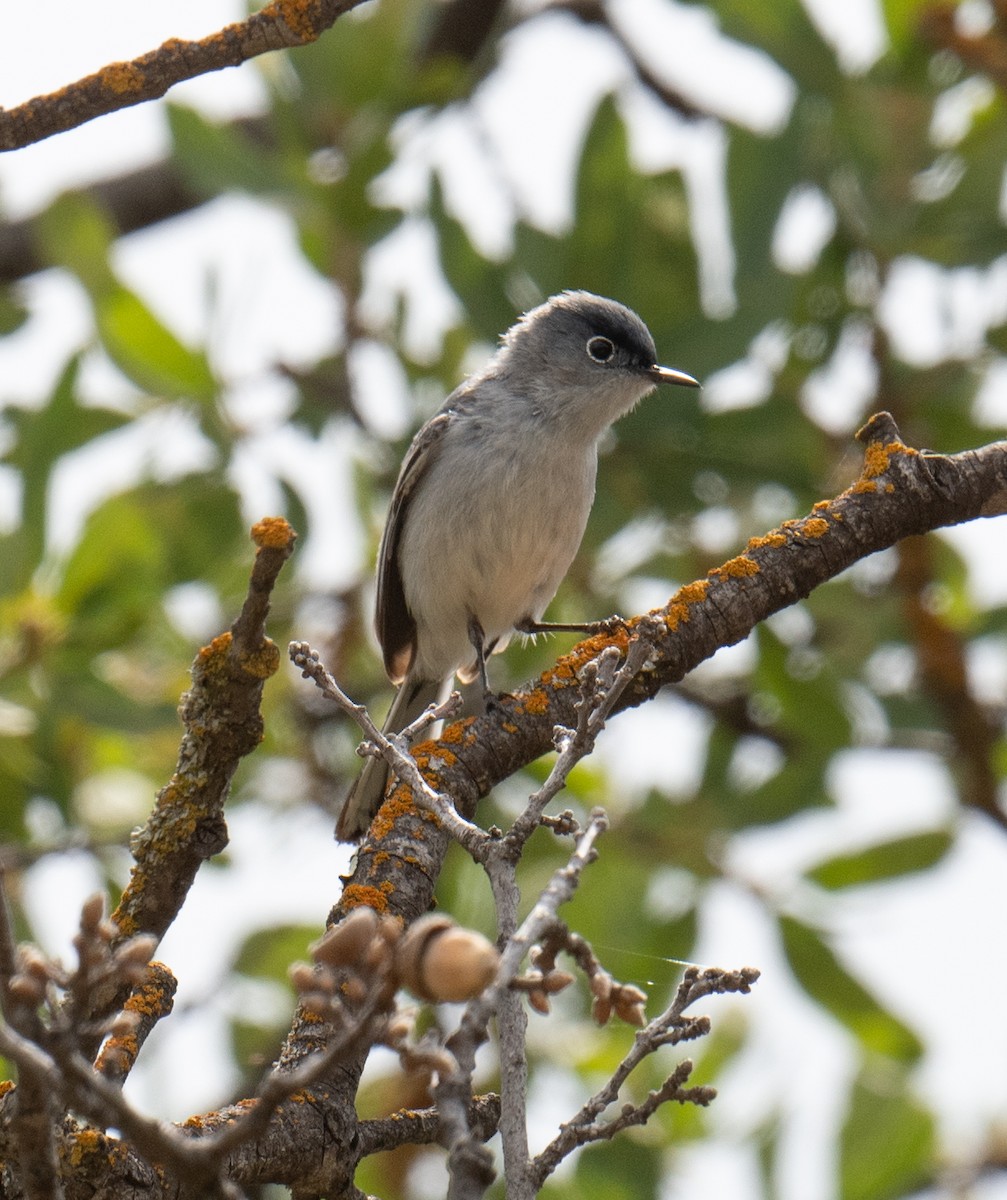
(491, 534)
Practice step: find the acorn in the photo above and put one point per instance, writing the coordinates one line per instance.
(438, 960)
(345, 944)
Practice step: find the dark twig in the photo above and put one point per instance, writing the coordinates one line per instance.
(594, 12)
(35, 1113)
(149, 1002)
(668, 1029)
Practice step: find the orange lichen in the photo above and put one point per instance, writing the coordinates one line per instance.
(679, 605)
(125, 921)
(565, 670)
(215, 652)
(6, 1086)
(875, 460)
(264, 662)
(399, 804)
(877, 456)
(815, 527)
(772, 540)
(361, 895)
(273, 533)
(458, 732)
(430, 752)
(296, 15)
(118, 1054)
(693, 593)
(864, 485)
(736, 568)
(87, 1142)
(153, 996)
(537, 702)
(122, 77)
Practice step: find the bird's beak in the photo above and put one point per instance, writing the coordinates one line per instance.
(667, 375)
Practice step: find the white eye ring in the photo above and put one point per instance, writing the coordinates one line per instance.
(600, 349)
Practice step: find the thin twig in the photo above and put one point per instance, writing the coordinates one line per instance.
(393, 747)
(669, 1028)
(602, 684)
(470, 1176)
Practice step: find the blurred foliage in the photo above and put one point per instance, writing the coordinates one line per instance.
(92, 656)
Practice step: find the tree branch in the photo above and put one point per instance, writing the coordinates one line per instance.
(280, 25)
(668, 1029)
(900, 492)
(223, 724)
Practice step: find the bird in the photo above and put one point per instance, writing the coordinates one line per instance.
(491, 504)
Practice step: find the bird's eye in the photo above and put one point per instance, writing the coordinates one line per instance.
(600, 349)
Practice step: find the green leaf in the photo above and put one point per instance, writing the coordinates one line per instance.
(20, 771)
(216, 157)
(887, 1146)
(630, 239)
(373, 60)
(268, 953)
(889, 860)
(829, 983)
(41, 437)
(963, 224)
(136, 545)
(761, 174)
(624, 1169)
(630, 236)
(911, 54)
(147, 351)
(784, 31)
(75, 233)
(13, 314)
(112, 580)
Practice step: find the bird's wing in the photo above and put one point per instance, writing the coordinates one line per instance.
(394, 623)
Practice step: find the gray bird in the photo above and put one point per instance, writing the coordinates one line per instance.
(492, 500)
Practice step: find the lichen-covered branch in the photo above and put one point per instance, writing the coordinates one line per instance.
(900, 492)
(280, 25)
(222, 724)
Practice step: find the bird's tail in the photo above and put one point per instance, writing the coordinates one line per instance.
(368, 792)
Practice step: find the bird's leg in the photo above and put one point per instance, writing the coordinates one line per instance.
(527, 625)
(478, 639)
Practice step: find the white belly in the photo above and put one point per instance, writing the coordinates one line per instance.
(499, 561)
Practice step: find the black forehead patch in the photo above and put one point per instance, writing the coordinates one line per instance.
(607, 318)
